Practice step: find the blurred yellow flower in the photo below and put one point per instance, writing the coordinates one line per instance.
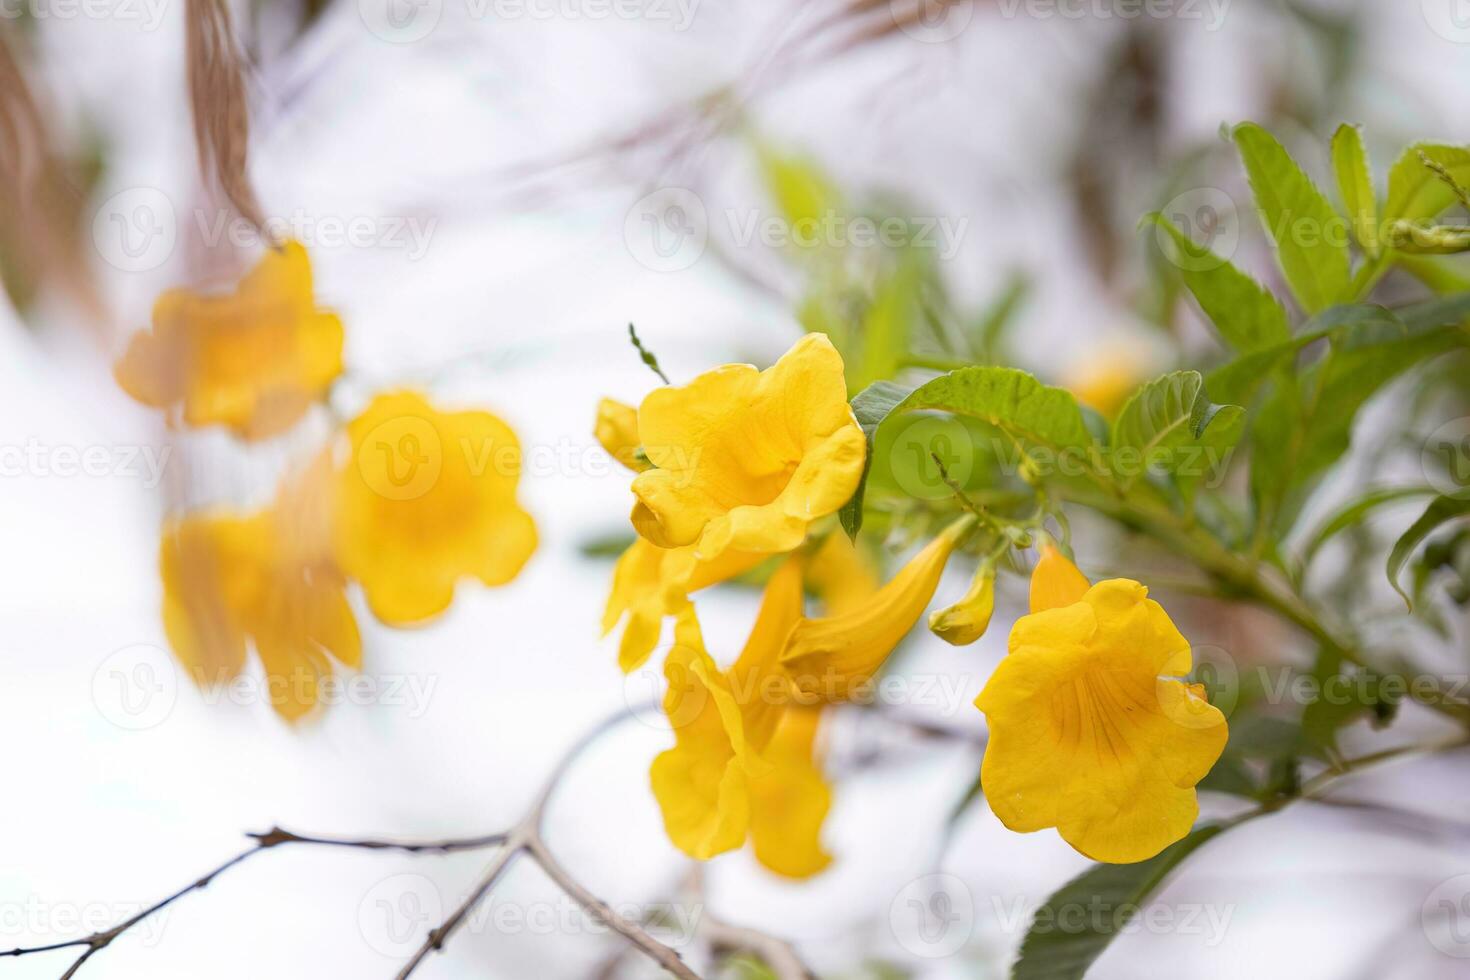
(254, 359)
(1055, 581)
(617, 431)
(651, 583)
(427, 498)
(1087, 737)
(1105, 382)
(841, 574)
(266, 577)
(829, 657)
(966, 621)
(742, 765)
(747, 459)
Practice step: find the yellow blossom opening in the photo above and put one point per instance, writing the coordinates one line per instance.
(747, 459)
(427, 498)
(1088, 737)
(254, 359)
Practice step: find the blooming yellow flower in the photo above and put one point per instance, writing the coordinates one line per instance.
(267, 577)
(747, 459)
(1055, 580)
(617, 431)
(966, 621)
(427, 498)
(742, 766)
(1088, 737)
(651, 583)
(829, 657)
(254, 359)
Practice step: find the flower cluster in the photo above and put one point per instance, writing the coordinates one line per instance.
(739, 473)
(405, 500)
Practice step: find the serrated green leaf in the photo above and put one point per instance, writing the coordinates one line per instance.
(1299, 219)
(1245, 313)
(1440, 511)
(1050, 952)
(871, 406)
(1171, 422)
(1355, 183)
(1031, 413)
(1415, 192)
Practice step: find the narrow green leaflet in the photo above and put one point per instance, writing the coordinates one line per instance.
(1247, 315)
(1414, 191)
(1354, 512)
(1051, 952)
(871, 407)
(802, 191)
(1172, 425)
(1307, 231)
(1355, 183)
(1440, 511)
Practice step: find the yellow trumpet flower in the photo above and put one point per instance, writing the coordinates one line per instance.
(966, 621)
(254, 359)
(1086, 735)
(746, 459)
(617, 431)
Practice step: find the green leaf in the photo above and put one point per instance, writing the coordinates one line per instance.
(871, 407)
(1299, 220)
(1171, 423)
(1414, 191)
(1440, 511)
(1354, 512)
(1055, 949)
(1029, 412)
(1247, 315)
(988, 335)
(802, 191)
(1355, 183)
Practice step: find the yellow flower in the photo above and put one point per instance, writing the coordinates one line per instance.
(254, 359)
(427, 498)
(1087, 737)
(651, 583)
(747, 459)
(1105, 382)
(742, 765)
(1055, 581)
(841, 574)
(830, 657)
(617, 431)
(266, 577)
(966, 621)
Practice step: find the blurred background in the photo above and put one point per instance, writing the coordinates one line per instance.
(490, 192)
